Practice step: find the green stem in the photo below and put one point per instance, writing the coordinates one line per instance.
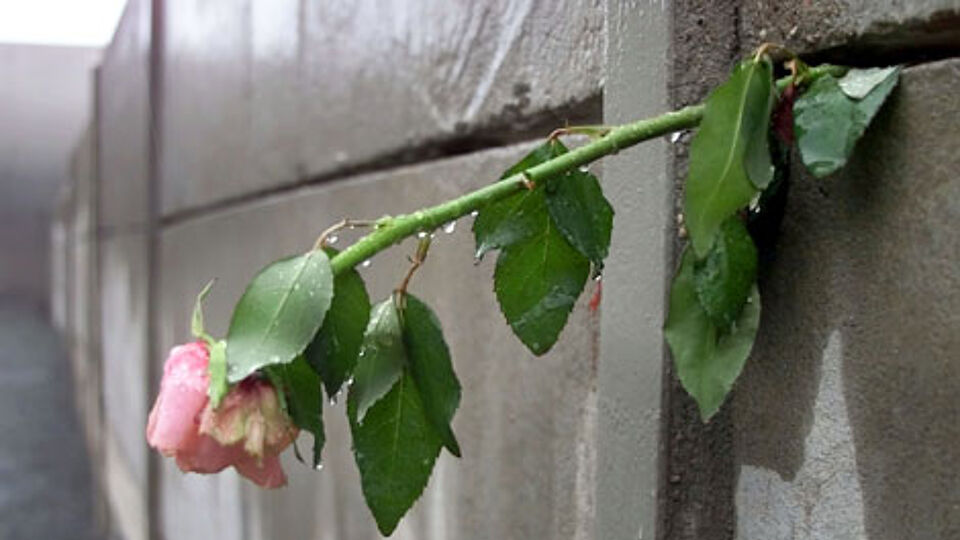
(392, 230)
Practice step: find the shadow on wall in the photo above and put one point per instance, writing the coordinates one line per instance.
(847, 417)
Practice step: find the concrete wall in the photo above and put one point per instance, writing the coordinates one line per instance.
(44, 105)
(230, 134)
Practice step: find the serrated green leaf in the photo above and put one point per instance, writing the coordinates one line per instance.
(510, 220)
(857, 83)
(395, 447)
(279, 313)
(196, 320)
(334, 350)
(381, 360)
(828, 123)
(726, 275)
(581, 212)
(707, 360)
(218, 372)
(301, 386)
(537, 282)
(729, 155)
(431, 368)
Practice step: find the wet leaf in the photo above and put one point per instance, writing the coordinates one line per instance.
(279, 313)
(729, 155)
(707, 360)
(431, 369)
(514, 218)
(381, 360)
(858, 83)
(301, 386)
(334, 350)
(537, 282)
(828, 123)
(581, 212)
(726, 275)
(395, 448)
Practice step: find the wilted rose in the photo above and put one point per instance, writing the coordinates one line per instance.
(248, 430)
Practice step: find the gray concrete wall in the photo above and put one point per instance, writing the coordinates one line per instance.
(44, 105)
(272, 120)
(123, 221)
(847, 415)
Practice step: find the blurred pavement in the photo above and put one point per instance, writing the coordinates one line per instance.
(45, 482)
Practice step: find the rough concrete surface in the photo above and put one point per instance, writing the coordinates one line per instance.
(45, 485)
(526, 424)
(847, 418)
(857, 31)
(260, 93)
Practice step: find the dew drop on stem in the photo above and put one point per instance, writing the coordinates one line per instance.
(319, 467)
(332, 239)
(475, 213)
(366, 263)
(449, 227)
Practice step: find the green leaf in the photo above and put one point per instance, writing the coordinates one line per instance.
(581, 212)
(218, 372)
(857, 83)
(575, 202)
(537, 282)
(279, 313)
(304, 400)
(334, 350)
(510, 220)
(828, 123)
(707, 360)
(726, 275)
(431, 368)
(381, 360)
(729, 156)
(395, 447)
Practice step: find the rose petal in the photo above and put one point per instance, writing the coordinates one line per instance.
(268, 474)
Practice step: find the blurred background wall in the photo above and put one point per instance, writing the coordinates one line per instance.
(227, 134)
(45, 104)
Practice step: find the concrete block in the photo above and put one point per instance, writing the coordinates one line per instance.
(124, 344)
(631, 346)
(123, 115)
(873, 29)
(525, 424)
(260, 94)
(846, 415)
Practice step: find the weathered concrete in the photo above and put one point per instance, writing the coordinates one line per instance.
(260, 93)
(631, 347)
(847, 418)
(860, 31)
(526, 424)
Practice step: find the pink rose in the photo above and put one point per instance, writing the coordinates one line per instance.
(248, 430)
